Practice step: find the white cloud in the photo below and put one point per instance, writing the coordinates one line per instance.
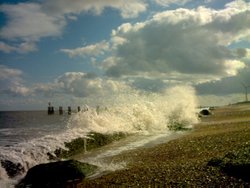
(29, 22)
(6, 48)
(74, 84)
(208, 1)
(26, 24)
(12, 83)
(247, 55)
(90, 50)
(80, 84)
(167, 3)
(128, 8)
(233, 66)
(183, 42)
(6, 73)
(23, 47)
(26, 47)
(19, 89)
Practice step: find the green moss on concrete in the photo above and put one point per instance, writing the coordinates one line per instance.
(93, 141)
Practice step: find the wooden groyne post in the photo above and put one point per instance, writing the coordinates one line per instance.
(78, 109)
(50, 109)
(69, 110)
(60, 110)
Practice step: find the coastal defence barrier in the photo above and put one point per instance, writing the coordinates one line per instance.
(61, 111)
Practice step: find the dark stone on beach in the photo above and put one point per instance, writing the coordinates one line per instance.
(12, 169)
(215, 162)
(241, 171)
(236, 164)
(56, 174)
(204, 112)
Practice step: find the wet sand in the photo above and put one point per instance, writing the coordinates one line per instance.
(183, 162)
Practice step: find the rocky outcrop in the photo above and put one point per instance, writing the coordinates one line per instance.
(56, 174)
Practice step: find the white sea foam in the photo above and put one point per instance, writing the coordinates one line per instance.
(136, 112)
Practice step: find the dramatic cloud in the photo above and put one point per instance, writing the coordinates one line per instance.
(12, 83)
(183, 42)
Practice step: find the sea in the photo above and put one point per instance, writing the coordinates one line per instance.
(26, 137)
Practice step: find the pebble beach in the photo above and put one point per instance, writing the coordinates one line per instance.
(183, 162)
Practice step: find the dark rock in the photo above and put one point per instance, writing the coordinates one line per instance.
(204, 112)
(12, 169)
(236, 164)
(241, 171)
(216, 162)
(56, 174)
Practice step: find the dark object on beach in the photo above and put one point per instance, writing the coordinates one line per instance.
(12, 169)
(236, 164)
(204, 112)
(56, 174)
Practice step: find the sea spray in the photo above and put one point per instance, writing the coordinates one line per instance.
(136, 112)
(128, 111)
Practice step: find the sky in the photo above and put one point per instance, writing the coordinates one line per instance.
(65, 51)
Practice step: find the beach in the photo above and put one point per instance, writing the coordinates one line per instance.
(183, 162)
